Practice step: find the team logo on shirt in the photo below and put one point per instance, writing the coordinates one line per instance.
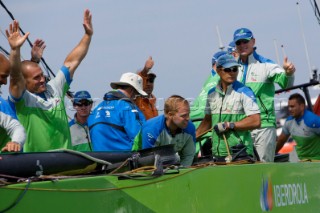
(97, 115)
(108, 114)
(253, 77)
(150, 136)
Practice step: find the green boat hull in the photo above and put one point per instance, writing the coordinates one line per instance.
(277, 187)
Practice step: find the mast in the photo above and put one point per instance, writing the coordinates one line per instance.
(304, 41)
(221, 47)
(276, 49)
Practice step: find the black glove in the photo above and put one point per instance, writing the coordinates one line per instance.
(220, 128)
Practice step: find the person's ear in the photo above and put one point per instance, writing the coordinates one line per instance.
(253, 41)
(171, 114)
(218, 70)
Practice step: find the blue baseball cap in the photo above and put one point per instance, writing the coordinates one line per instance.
(242, 33)
(227, 61)
(81, 95)
(217, 55)
(231, 47)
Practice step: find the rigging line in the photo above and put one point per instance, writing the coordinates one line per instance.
(4, 51)
(12, 17)
(42, 59)
(316, 9)
(304, 40)
(4, 35)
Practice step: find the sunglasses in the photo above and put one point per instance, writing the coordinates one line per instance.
(245, 41)
(87, 103)
(150, 80)
(231, 69)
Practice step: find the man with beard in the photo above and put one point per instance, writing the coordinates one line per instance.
(174, 127)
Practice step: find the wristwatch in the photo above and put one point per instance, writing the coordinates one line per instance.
(232, 126)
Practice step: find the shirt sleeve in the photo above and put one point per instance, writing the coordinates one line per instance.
(189, 149)
(250, 105)
(62, 80)
(187, 153)
(14, 129)
(148, 138)
(278, 75)
(285, 128)
(207, 110)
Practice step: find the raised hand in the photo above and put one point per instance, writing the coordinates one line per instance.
(37, 50)
(15, 39)
(87, 22)
(149, 63)
(288, 66)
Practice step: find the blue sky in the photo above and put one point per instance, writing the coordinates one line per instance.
(180, 35)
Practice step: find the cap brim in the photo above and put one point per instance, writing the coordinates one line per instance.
(231, 64)
(243, 38)
(114, 85)
(141, 92)
(82, 99)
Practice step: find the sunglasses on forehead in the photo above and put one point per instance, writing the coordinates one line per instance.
(245, 41)
(85, 103)
(231, 69)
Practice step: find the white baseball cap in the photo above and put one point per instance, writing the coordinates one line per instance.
(130, 79)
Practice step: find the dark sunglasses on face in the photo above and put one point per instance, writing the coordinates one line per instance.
(245, 41)
(87, 103)
(150, 80)
(231, 69)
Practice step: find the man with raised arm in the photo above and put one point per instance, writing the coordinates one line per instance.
(40, 105)
(147, 104)
(261, 74)
(12, 134)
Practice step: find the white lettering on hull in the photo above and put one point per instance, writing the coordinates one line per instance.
(290, 194)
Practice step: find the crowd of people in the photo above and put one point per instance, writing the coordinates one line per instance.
(236, 102)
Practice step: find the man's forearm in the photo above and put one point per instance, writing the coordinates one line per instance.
(204, 126)
(77, 54)
(17, 82)
(249, 123)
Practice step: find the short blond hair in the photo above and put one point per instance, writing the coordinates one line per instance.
(171, 103)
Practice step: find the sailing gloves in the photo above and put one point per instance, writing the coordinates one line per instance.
(222, 127)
